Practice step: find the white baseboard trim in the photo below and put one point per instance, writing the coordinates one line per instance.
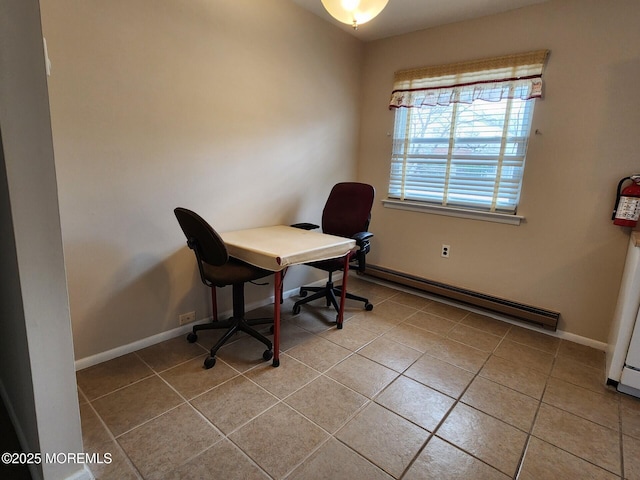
(582, 340)
(133, 346)
(83, 474)
(184, 329)
(558, 333)
(169, 334)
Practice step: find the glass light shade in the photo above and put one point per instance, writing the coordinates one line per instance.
(354, 12)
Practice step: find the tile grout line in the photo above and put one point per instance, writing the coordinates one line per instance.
(112, 437)
(622, 473)
(243, 374)
(556, 354)
(456, 402)
(542, 402)
(368, 402)
(535, 416)
(202, 416)
(527, 442)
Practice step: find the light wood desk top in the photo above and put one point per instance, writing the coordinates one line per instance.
(275, 248)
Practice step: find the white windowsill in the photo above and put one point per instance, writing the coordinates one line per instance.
(453, 212)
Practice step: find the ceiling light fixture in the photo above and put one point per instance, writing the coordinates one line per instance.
(354, 12)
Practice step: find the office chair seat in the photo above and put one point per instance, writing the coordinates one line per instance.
(234, 271)
(217, 269)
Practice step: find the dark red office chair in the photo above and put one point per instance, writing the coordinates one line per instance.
(217, 269)
(347, 213)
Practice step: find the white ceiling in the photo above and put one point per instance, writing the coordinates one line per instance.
(403, 16)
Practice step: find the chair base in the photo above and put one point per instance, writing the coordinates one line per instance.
(330, 293)
(237, 323)
(234, 325)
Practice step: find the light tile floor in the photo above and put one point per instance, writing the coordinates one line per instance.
(415, 389)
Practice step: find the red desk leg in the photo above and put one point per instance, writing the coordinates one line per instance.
(343, 290)
(276, 318)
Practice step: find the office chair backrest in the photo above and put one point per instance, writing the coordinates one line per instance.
(348, 209)
(203, 239)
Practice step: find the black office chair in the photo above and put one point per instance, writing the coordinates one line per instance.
(217, 269)
(347, 213)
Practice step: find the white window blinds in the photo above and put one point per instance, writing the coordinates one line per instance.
(460, 136)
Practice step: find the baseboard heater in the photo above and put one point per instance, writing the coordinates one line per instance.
(544, 318)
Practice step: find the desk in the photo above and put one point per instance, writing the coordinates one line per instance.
(275, 248)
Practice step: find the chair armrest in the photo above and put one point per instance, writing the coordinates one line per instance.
(305, 226)
(364, 246)
(362, 238)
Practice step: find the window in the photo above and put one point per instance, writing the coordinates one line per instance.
(461, 132)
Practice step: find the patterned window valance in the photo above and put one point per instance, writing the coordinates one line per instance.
(490, 79)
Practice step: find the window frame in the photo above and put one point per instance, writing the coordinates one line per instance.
(472, 172)
(450, 177)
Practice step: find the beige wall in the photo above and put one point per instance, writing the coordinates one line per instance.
(245, 111)
(249, 112)
(567, 256)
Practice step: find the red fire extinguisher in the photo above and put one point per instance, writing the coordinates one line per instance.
(627, 208)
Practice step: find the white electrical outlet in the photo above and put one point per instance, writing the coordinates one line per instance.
(187, 318)
(446, 251)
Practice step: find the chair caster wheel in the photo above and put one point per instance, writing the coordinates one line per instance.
(276, 363)
(267, 355)
(296, 309)
(209, 362)
(368, 307)
(192, 337)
